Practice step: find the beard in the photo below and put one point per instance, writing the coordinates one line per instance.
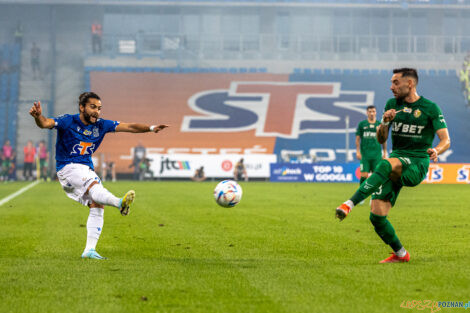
(401, 95)
(88, 118)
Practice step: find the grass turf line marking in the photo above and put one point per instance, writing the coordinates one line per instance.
(19, 192)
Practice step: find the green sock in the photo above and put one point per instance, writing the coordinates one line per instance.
(362, 180)
(371, 184)
(385, 230)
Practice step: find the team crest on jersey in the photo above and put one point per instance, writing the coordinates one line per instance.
(407, 110)
(96, 132)
(86, 132)
(417, 113)
(277, 109)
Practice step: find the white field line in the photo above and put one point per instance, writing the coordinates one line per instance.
(19, 192)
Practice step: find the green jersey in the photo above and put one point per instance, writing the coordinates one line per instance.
(413, 128)
(370, 147)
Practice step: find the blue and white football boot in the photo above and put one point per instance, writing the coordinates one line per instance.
(92, 254)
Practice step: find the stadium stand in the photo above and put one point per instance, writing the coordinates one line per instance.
(9, 91)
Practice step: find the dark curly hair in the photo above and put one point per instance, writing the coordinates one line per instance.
(84, 97)
(407, 72)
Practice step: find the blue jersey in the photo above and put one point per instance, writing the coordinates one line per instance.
(76, 141)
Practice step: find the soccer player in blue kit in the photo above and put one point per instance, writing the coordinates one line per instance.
(78, 137)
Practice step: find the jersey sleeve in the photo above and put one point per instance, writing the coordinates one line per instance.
(438, 121)
(110, 126)
(359, 130)
(61, 122)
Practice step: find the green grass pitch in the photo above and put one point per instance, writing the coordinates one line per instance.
(279, 250)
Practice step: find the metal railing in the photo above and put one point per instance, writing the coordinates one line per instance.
(268, 46)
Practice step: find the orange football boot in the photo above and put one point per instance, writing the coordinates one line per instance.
(342, 211)
(396, 259)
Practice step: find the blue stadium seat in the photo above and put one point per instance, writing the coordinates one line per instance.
(232, 70)
(443, 72)
(263, 70)
(317, 71)
(327, 71)
(355, 72)
(253, 70)
(432, 72)
(346, 71)
(307, 71)
(365, 72)
(243, 70)
(297, 71)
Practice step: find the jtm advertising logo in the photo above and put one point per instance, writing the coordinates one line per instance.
(172, 165)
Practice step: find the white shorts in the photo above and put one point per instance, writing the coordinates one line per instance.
(75, 179)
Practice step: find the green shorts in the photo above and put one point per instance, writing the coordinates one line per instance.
(413, 173)
(368, 165)
(6, 164)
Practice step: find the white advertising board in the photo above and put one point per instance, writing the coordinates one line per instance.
(215, 165)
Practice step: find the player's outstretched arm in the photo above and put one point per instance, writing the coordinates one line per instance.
(443, 145)
(139, 128)
(41, 121)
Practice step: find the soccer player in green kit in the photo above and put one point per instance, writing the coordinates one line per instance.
(414, 120)
(367, 147)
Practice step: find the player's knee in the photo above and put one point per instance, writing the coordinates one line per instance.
(394, 163)
(384, 168)
(92, 185)
(94, 204)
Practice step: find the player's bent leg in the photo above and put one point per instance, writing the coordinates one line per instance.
(381, 174)
(364, 176)
(126, 201)
(383, 228)
(101, 195)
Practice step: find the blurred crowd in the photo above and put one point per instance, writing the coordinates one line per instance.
(465, 78)
(35, 162)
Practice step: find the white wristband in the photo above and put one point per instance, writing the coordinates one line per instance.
(152, 127)
(384, 123)
(435, 150)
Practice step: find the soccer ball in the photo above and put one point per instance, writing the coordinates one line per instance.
(227, 193)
